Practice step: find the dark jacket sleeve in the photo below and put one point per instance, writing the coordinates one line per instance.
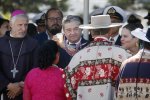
(3, 80)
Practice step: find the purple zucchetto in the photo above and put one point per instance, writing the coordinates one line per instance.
(17, 12)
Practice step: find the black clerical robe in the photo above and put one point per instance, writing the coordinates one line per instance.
(26, 60)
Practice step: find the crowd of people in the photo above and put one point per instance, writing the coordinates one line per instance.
(51, 60)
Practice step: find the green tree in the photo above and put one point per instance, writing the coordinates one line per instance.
(31, 5)
(131, 4)
(122, 3)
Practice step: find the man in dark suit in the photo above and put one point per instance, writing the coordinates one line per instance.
(53, 23)
(117, 15)
(73, 40)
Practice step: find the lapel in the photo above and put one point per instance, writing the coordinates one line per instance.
(84, 43)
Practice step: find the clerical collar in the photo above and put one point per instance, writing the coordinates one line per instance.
(13, 37)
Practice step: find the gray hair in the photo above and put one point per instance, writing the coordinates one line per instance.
(13, 19)
(72, 18)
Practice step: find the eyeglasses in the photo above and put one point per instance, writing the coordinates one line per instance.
(54, 18)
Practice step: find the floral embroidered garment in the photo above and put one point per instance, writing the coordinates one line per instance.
(92, 71)
(134, 78)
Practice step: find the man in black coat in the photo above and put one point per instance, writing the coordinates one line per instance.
(71, 40)
(18, 55)
(53, 20)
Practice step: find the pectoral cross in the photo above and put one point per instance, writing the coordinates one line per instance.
(14, 71)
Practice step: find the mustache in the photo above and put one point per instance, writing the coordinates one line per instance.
(56, 25)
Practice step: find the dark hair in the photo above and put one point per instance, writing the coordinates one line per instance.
(2, 21)
(47, 54)
(32, 30)
(133, 23)
(41, 21)
(144, 44)
(133, 19)
(53, 9)
(147, 45)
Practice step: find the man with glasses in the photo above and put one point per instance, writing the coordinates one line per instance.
(91, 73)
(53, 22)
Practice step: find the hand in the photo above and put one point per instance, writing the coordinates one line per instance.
(59, 39)
(13, 90)
(21, 84)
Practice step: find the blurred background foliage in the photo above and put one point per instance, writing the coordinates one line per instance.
(31, 5)
(131, 4)
(34, 6)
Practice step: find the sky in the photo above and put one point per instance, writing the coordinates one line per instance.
(76, 6)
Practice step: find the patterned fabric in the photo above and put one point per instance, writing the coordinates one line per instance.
(92, 71)
(68, 47)
(44, 84)
(134, 78)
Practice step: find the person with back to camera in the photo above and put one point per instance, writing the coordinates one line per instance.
(92, 71)
(128, 41)
(134, 78)
(45, 82)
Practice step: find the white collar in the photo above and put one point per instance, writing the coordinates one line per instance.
(49, 38)
(76, 42)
